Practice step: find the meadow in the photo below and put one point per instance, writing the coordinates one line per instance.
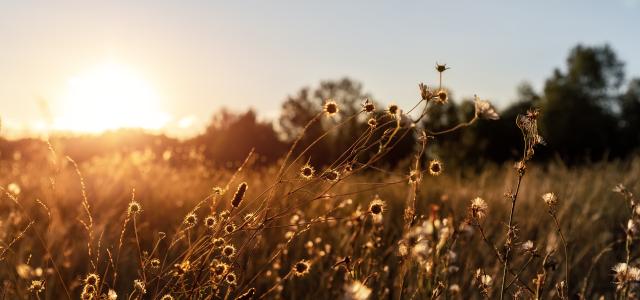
(139, 226)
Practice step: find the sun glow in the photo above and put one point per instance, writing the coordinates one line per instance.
(107, 97)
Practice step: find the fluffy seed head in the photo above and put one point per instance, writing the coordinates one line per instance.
(239, 195)
(478, 208)
(485, 110)
(331, 108)
(550, 200)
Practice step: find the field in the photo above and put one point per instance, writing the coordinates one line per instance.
(135, 226)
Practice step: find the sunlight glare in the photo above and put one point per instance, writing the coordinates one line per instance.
(110, 96)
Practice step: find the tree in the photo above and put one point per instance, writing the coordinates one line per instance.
(577, 118)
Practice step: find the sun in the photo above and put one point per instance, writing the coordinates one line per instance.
(109, 96)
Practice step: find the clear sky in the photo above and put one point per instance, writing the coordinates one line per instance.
(189, 58)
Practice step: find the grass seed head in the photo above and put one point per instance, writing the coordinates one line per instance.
(239, 195)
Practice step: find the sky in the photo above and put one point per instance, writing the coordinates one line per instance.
(174, 63)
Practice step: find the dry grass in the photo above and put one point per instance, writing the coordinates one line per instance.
(141, 228)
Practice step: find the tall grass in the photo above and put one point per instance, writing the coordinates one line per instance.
(138, 227)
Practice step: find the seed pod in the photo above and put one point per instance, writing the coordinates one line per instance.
(239, 195)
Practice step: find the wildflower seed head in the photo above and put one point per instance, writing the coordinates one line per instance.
(134, 208)
(239, 195)
(231, 278)
(414, 176)
(393, 109)
(229, 251)
(301, 268)
(229, 228)
(368, 106)
(376, 207)
(485, 110)
(210, 222)
(154, 263)
(89, 289)
(36, 286)
(528, 246)
(478, 208)
(443, 97)
(92, 279)
(550, 200)
(425, 92)
(218, 242)
(112, 295)
(224, 215)
(190, 220)
(331, 175)
(167, 297)
(356, 290)
(441, 67)
(307, 171)
(372, 122)
(139, 286)
(331, 108)
(220, 269)
(435, 167)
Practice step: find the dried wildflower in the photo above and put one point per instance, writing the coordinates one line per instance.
(486, 279)
(139, 286)
(36, 286)
(356, 290)
(154, 263)
(368, 106)
(92, 279)
(224, 215)
(331, 175)
(414, 176)
(372, 122)
(435, 167)
(218, 242)
(528, 124)
(625, 274)
(478, 208)
(301, 268)
(425, 92)
(217, 191)
(190, 220)
(528, 246)
(485, 110)
(376, 207)
(239, 195)
(167, 297)
(393, 109)
(210, 222)
(231, 278)
(229, 251)
(307, 171)
(331, 107)
(441, 67)
(220, 269)
(112, 295)
(550, 200)
(229, 228)
(86, 296)
(183, 268)
(89, 289)
(134, 208)
(443, 97)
